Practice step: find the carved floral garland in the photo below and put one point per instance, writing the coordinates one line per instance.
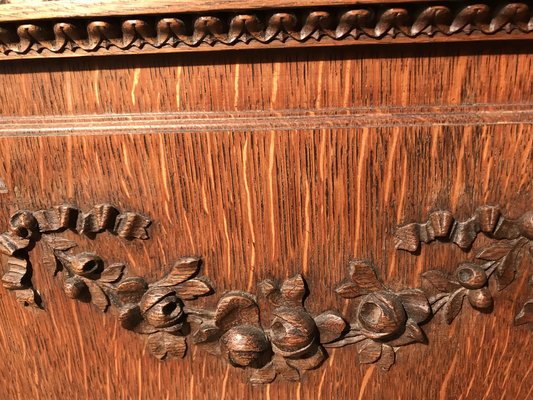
(294, 340)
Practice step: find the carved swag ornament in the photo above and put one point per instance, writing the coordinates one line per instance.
(280, 338)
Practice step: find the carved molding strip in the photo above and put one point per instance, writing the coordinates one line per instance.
(294, 340)
(274, 28)
(280, 120)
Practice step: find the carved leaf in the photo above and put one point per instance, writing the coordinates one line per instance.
(270, 290)
(60, 244)
(27, 297)
(440, 281)
(525, 315)
(416, 304)
(495, 251)
(130, 316)
(98, 296)
(363, 280)
(193, 288)
(307, 363)
(205, 333)
(183, 269)
(453, 306)
(130, 290)
(506, 269)
(236, 308)
(364, 276)
(412, 334)
(267, 374)
(369, 351)
(387, 357)
(330, 325)
(50, 262)
(112, 273)
(164, 345)
(293, 289)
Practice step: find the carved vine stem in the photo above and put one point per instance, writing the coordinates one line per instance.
(282, 337)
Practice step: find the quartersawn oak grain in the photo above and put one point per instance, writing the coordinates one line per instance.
(257, 203)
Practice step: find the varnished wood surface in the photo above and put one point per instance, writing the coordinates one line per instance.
(258, 203)
(32, 10)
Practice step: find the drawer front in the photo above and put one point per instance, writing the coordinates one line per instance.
(292, 224)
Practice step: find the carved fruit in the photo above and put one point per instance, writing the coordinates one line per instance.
(526, 225)
(381, 314)
(471, 276)
(161, 308)
(23, 224)
(244, 345)
(74, 287)
(293, 331)
(480, 298)
(86, 264)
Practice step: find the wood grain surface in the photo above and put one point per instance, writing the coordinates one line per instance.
(258, 202)
(17, 10)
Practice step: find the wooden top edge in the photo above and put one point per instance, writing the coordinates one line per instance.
(39, 10)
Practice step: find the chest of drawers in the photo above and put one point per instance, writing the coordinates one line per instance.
(286, 200)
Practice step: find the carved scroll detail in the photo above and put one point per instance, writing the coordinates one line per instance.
(277, 336)
(275, 27)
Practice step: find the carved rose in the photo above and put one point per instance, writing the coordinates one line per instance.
(384, 319)
(292, 331)
(162, 309)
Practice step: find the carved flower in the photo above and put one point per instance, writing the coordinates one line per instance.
(235, 331)
(162, 308)
(296, 336)
(384, 319)
(158, 309)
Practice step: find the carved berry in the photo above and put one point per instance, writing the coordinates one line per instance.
(23, 224)
(381, 314)
(86, 264)
(471, 276)
(245, 345)
(480, 298)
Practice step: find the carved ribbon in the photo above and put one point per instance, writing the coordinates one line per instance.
(371, 22)
(277, 337)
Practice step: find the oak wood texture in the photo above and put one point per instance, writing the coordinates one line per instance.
(33, 10)
(269, 200)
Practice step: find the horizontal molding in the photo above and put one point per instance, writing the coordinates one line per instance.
(279, 120)
(166, 32)
(35, 10)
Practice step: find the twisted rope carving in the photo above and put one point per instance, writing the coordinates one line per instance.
(196, 32)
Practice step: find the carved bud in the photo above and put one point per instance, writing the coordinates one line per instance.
(381, 314)
(74, 287)
(86, 264)
(161, 308)
(245, 345)
(480, 298)
(471, 276)
(293, 331)
(526, 225)
(23, 224)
